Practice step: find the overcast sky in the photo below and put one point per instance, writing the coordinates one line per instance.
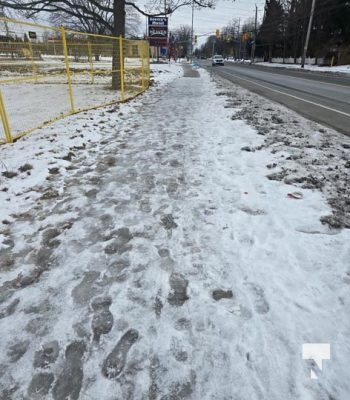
(206, 21)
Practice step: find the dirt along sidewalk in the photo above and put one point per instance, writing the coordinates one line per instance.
(146, 255)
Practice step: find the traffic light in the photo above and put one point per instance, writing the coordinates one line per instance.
(217, 33)
(195, 39)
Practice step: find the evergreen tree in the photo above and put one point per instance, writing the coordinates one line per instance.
(271, 30)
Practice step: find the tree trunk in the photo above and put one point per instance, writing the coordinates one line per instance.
(118, 30)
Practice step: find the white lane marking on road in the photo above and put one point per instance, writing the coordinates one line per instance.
(295, 97)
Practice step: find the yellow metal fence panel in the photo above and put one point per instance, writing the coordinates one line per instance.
(48, 73)
(28, 70)
(5, 124)
(136, 67)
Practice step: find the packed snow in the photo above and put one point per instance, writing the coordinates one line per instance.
(183, 245)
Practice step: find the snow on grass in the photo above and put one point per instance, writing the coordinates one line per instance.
(345, 69)
(30, 104)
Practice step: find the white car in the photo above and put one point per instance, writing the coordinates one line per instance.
(217, 60)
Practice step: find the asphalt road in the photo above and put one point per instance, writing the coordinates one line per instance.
(322, 97)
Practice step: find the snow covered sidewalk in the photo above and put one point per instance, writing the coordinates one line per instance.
(145, 255)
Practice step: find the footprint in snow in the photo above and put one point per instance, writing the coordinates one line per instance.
(115, 362)
(261, 305)
(102, 320)
(178, 294)
(40, 385)
(69, 383)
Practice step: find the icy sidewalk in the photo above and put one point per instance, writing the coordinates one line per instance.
(159, 262)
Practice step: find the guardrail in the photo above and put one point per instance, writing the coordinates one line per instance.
(48, 73)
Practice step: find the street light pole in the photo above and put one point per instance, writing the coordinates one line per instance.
(308, 33)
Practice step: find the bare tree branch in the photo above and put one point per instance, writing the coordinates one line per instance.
(32, 7)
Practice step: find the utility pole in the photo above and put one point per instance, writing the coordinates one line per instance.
(308, 33)
(255, 34)
(192, 32)
(167, 47)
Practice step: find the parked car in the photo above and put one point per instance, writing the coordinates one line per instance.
(217, 60)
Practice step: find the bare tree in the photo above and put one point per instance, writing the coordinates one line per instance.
(248, 28)
(181, 38)
(83, 23)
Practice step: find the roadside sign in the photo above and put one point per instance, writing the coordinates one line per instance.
(158, 31)
(158, 21)
(32, 35)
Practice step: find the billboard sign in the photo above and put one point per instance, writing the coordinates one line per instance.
(158, 31)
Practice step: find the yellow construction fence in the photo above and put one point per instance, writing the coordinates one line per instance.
(48, 73)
